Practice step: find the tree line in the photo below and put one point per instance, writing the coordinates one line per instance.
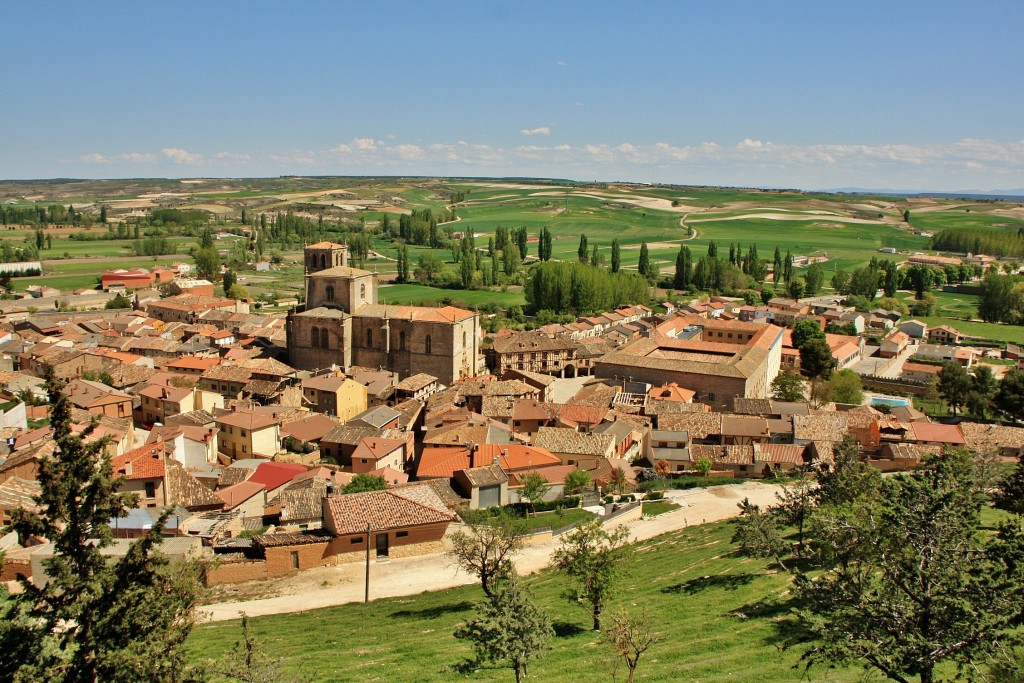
(581, 288)
(995, 242)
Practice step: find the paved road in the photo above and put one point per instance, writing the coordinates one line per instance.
(331, 586)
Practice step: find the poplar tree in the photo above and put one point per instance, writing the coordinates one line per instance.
(645, 262)
(616, 256)
(581, 252)
(777, 267)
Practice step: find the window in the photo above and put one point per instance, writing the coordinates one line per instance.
(243, 449)
(369, 337)
(362, 291)
(401, 534)
(323, 260)
(314, 337)
(150, 490)
(356, 541)
(325, 342)
(330, 292)
(463, 340)
(401, 341)
(427, 342)
(312, 262)
(243, 432)
(295, 559)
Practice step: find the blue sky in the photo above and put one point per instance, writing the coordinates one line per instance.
(905, 95)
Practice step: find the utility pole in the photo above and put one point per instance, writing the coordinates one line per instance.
(366, 595)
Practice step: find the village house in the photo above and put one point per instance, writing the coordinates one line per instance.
(248, 434)
(534, 352)
(944, 334)
(335, 395)
(100, 399)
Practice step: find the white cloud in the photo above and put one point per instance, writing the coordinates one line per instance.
(561, 63)
(95, 158)
(365, 144)
(130, 157)
(406, 151)
(528, 132)
(180, 156)
(232, 157)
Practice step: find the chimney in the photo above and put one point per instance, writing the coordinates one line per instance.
(128, 469)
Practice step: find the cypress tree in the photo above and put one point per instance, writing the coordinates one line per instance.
(581, 253)
(645, 261)
(712, 249)
(777, 267)
(616, 256)
(547, 244)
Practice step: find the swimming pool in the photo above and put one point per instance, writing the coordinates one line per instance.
(890, 401)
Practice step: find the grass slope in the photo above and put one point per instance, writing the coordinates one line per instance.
(716, 616)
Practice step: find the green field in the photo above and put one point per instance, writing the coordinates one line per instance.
(422, 294)
(716, 616)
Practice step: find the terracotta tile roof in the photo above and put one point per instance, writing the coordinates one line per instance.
(246, 419)
(311, 428)
(532, 341)
(752, 406)
(488, 475)
(392, 509)
(699, 425)
(671, 392)
(235, 495)
(303, 500)
(416, 382)
(443, 461)
(575, 414)
(741, 425)
(348, 434)
(447, 314)
(555, 474)
(820, 427)
(571, 442)
(927, 431)
(197, 418)
(515, 456)
(725, 455)
(326, 245)
(532, 409)
(375, 447)
(982, 437)
(145, 462)
(597, 395)
(782, 453)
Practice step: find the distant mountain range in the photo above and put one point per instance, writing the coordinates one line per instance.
(1014, 195)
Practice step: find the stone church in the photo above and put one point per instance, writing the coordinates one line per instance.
(343, 324)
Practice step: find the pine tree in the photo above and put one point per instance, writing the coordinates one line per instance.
(95, 620)
(616, 256)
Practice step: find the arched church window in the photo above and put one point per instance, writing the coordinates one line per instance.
(330, 292)
(362, 291)
(369, 337)
(323, 260)
(314, 337)
(325, 341)
(401, 341)
(427, 342)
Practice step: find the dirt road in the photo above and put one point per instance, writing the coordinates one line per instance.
(330, 586)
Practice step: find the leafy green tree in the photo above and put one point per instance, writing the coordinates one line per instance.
(616, 255)
(581, 252)
(535, 487)
(510, 259)
(119, 301)
(797, 503)
(983, 390)
(777, 267)
(486, 548)
(96, 619)
(576, 481)
(813, 279)
(788, 387)
(923, 586)
(509, 627)
(843, 386)
(892, 280)
(207, 263)
(596, 258)
(712, 249)
(806, 330)
(429, 266)
(954, 385)
(229, 280)
(704, 465)
(841, 282)
(757, 533)
(644, 266)
(593, 558)
(103, 213)
(363, 482)
(847, 479)
(1010, 397)
(795, 288)
(1010, 496)
(995, 302)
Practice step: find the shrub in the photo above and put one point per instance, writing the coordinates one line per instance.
(655, 495)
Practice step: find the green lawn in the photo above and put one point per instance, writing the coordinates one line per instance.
(994, 331)
(658, 507)
(553, 520)
(716, 615)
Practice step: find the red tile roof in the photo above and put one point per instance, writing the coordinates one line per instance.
(937, 433)
(146, 462)
(233, 496)
(273, 475)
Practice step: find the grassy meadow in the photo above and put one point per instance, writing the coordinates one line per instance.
(717, 617)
